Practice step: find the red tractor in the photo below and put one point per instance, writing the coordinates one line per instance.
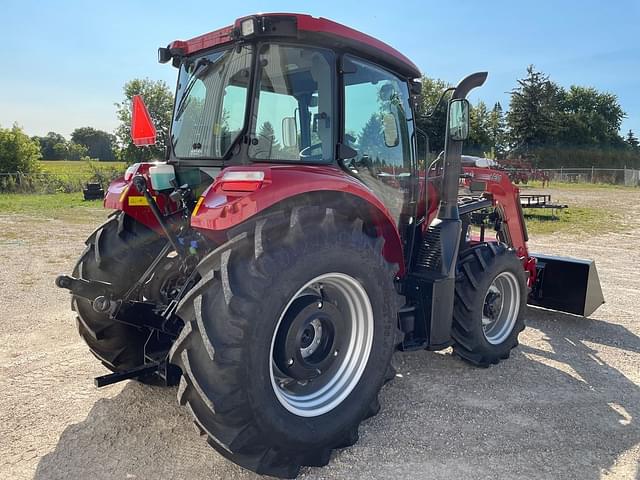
(292, 240)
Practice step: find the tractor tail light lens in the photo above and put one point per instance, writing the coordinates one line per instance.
(130, 172)
(241, 181)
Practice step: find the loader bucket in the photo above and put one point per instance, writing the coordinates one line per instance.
(566, 284)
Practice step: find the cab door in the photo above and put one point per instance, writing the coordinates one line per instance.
(378, 126)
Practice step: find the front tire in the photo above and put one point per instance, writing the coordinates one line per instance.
(488, 314)
(303, 290)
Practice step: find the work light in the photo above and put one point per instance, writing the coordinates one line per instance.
(248, 27)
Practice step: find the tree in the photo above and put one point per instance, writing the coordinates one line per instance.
(371, 140)
(589, 117)
(545, 115)
(479, 141)
(498, 131)
(54, 146)
(159, 101)
(270, 146)
(433, 125)
(18, 152)
(70, 151)
(99, 144)
(632, 140)
(533, 116)
(48, 143)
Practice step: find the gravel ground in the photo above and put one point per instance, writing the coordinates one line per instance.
(566, 405)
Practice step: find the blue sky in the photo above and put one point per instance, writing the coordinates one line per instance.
(63, 64)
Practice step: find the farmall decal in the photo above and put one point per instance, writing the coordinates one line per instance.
(491, 177)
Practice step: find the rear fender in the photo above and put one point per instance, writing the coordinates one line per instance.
(122, 195)
(220, 209)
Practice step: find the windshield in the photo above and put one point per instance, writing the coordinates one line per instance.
(211, 103)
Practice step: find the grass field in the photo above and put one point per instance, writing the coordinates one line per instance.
(62, 177)
(70, 207)
(68, 167)
(575, 219)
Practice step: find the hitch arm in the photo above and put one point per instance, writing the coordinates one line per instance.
(111, 378)
(89, 289)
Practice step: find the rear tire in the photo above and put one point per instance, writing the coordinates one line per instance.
(236, 314)
(119, 251)
(488, 315)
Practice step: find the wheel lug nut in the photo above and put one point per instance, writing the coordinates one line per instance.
(319, 304)
(290, 362)
(335, 354)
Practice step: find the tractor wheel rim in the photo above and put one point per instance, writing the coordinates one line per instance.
(501, 308)
(333, 324)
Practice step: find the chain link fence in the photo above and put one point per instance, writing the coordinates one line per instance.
(614, 176)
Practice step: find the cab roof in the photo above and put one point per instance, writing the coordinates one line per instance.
(321, 31)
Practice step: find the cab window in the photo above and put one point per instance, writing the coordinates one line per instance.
(379, 127)
(294, 118)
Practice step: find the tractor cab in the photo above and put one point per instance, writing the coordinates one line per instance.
(275, 87)
(295, 90)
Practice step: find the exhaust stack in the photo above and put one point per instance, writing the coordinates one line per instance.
(436, 266)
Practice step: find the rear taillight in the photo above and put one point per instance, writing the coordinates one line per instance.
(239, 181)
(128, 175)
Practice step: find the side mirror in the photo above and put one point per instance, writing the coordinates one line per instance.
(164, 55)
(143, 131)
(289, 132)
(390, 130)
(459, 119)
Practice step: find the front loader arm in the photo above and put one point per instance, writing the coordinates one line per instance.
(506, 198)
(558, 283)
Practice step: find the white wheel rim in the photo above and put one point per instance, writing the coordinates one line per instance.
(351, 362)
(501, 308)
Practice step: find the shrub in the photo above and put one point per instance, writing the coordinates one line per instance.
(18, 152)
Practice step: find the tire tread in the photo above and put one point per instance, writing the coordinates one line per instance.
(468, 338)
(229, 423)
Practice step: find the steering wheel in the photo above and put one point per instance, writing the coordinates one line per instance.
(306, 154)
